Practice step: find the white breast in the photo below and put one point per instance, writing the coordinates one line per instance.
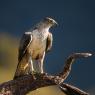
(38, 44)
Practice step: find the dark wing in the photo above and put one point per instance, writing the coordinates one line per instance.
(22, 66)
(49, 42)
(24, 43)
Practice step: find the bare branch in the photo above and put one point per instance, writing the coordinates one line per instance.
(67, 68)
(71, 89)
(27, 83)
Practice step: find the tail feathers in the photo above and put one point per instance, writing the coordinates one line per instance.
(22, 69)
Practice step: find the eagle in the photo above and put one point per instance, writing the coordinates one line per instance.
(33, 46)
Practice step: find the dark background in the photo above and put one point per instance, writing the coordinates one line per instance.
(75, 33)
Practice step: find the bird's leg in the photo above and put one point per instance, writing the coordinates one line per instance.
(40, 63)
(31, 69)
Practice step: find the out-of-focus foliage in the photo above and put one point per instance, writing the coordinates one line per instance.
(8, 56)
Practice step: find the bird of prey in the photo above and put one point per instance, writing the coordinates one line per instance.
(33, 47)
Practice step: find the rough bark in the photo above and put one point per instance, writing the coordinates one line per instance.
(27, 83)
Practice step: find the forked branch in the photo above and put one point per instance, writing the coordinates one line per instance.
(27, 83)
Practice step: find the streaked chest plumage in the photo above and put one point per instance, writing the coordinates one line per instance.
(38, 43)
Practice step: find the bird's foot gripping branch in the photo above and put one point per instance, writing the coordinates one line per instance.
(25, 84)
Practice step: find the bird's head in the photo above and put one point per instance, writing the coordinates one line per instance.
(49, 21)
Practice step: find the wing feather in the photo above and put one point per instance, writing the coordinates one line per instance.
(49, 42)
(22, 66)
(24, 43)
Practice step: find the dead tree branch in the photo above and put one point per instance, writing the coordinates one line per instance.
(27, 83)
(71, 90)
